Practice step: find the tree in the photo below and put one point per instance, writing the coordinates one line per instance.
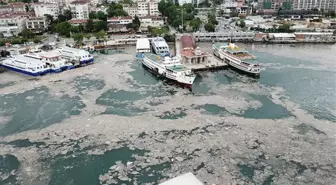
(27, 8)
(285, 27)
(37, 40)
(217, 2)
(78, 37)
(100, 35)
(67, 14)
(116, 9)
(89, 26)
(242, 23)
(63, 28)
(100, 25)
(221, 13)
(88, 36)
(209, 27)
(101, 16)
(127, 2)
(204, 4)
(92, 15)
(195, 24)
(27, 34)
(135, 24)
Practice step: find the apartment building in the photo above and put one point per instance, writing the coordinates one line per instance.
(36, 24)
(79, 9)
(12, 23)
(13, 7)
(41, 9)
(143, 8)
(310, 4)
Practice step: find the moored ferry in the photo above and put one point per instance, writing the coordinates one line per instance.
(237, 57)
(52, 59)
(26, 65)
(160, 46)
(76, 56)
(170, 68)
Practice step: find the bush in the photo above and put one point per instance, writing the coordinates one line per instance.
(37, 40)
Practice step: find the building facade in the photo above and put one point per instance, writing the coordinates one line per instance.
(79, 9)
(143, 8)
(153, 21)
(36, 24)
(41, 9)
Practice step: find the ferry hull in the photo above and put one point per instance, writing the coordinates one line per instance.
(26, 72)
(237, 68)
(150, 69)
(84, 62)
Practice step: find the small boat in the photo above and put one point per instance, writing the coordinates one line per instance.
(26, 65)
(160, 46)
(237, 57)
(170, 68)
(76, 56)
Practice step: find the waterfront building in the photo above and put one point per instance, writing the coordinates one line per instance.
(16, 21)
(59, 2)
(79, 9)
(119, 24)
(41, 9)
(315, 36)
(190, 53)
(36, 24)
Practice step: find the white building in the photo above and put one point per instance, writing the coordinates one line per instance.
(79, 9)
(153, 21)
(143, 8)
(310, 4)
(36, 24)
(181, 2)
(41, 9)
(18, 20)
(96, 2)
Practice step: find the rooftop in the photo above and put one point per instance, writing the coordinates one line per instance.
(78, 21)
(194, 53)
(143, 43)
(121, 18)
(79, 2)
(187, 42)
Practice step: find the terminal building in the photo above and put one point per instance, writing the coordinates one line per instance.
(190, 53)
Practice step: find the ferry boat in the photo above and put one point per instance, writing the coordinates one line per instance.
(160, 46)
(52, 59)
(170, 68)
(26, 65)
(237, 57)
(76, 56)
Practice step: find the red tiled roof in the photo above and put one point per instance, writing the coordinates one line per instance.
(79, 2)
(78, 21)
(190, 53)
(121, 18)
(187, 42)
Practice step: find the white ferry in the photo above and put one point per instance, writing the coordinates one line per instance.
(237, 57)
(52, 59)
(26, 65)
(170, 68)
(78, 56)
(160, 46)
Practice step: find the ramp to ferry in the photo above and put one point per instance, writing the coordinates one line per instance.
(185, 179)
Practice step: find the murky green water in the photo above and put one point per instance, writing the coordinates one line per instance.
(311, 89)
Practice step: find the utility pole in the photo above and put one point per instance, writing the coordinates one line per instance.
(182, 18)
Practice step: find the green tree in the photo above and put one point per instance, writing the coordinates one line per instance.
(204, 4)
(27, 8)
(92, 15)
(242, 23)
(135, 24)
(89, 27)
(88, 36)
(217, 2)
(37, 40)
(221, 13)
(27, 34)
(101, 16)
(78, 37)
(195, 24)
(285, 27)
(116, 9)
(63, 28)
(67, 14)
(127, 2)
(100, 25)
(100, 35)
(209, 27)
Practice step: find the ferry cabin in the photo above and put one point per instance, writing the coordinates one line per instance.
(56, 63)
(76, 55)
(26, 65)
